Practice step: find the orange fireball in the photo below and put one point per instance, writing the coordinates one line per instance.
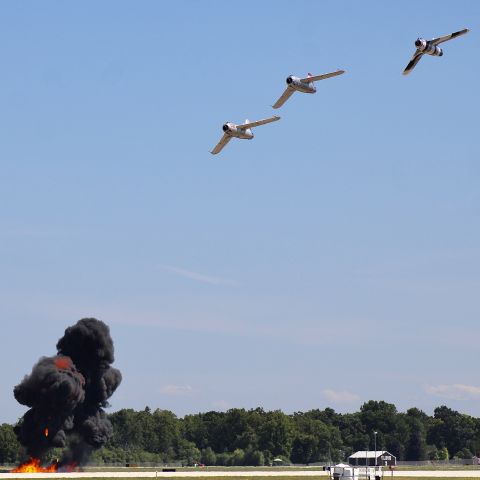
(63, 363)
(33, 466)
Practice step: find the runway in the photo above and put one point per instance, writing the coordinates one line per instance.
(239, 473)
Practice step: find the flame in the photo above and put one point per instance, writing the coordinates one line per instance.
(33, 465)
(63, 363)
(45, 432)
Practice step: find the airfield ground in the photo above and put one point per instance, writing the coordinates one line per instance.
(239, 474)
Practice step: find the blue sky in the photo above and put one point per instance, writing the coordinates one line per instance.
(332, 260)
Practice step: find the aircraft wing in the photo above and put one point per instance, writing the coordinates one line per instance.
(316, 78)
(438, 40)
(411, 65)
(219, 146)
(285, 96)
(244, 126)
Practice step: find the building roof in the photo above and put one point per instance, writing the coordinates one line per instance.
(369, 454)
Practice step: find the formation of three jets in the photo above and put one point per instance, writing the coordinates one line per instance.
(306, 85)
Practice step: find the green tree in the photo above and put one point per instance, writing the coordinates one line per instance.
(208, 456)
(188, 453)
(254, 458)
(10, 448)
(236, 429)
(223, 459)
(432, 453)
(247, 440)
(443, 454)
(127, 433)
(195, 430)
(464, 453)
(303, 448)
(416, 448)
(378, 416)
(276, 434)
(452, 429)
(238, 457)
(415, 423)
(352, 433)
(166, 434)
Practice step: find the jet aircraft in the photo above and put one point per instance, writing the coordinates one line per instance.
(240, 131)
(430, 47)
(304, 85)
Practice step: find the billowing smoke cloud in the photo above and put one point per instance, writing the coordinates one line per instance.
(67, 393)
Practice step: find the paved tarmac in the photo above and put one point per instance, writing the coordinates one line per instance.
(240, 473)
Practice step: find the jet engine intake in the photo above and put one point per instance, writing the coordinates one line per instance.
(291, 80)
(229, 128)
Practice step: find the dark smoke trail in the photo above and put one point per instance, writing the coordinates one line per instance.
(67, 393)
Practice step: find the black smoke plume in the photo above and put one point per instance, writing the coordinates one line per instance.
(66, 394)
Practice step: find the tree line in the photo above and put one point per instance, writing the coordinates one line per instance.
(257, 437)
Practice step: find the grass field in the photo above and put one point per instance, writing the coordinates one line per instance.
(438, 472)
(200, 469)
(404, 468)
(249, 478)
(435, 468)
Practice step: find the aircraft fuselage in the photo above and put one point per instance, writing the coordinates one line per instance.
(232, 130)
(428, 47)
(296, 84)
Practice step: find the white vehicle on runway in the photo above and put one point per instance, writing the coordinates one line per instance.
(430, 47)
(304, 85)
(243, 131)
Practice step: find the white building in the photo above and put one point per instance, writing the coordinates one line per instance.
(367, 457)
(347, 472)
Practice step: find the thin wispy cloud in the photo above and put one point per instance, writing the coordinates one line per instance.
(177, 390)
(340, 396)
(199, 277)
(456, 391)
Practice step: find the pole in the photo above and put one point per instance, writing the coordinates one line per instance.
(366, 463)
(375, 470)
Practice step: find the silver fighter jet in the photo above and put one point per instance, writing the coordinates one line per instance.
(243, 131)
(304, 85)
(430, 47)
